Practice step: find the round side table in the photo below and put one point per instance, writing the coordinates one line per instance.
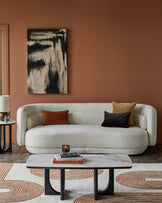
(3, 125)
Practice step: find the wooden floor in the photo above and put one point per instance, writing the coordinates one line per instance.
(20, 155)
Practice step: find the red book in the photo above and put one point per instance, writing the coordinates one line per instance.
(55, 161)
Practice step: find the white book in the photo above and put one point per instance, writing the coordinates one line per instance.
(58, 158)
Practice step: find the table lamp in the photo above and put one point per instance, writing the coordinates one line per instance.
(4, 107)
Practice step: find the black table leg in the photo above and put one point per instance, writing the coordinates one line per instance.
(1, 150)
(95, 184)
(9, 148)
(10, 139)
(4, 138)
(47, 185)
(109, 190)
(62, 183)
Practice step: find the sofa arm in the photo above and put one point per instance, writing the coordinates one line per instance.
(151, 114)
(21, 125)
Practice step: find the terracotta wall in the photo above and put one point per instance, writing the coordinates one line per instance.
(114, 49)
(0, 63)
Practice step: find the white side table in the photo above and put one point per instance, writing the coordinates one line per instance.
(3, 125)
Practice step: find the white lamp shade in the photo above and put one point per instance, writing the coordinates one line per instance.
(4, 103)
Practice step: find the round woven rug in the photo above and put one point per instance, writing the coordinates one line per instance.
(122, 197)
(141, 179)
(16, 190)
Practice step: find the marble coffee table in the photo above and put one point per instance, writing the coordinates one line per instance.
(90, 161)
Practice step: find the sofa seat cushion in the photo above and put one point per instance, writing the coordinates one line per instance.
(86, 136)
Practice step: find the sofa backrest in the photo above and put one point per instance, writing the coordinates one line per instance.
(79, 114)
(30, 115)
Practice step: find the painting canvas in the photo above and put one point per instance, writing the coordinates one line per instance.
(47, 61)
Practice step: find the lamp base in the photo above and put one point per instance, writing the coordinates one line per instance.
(4, 116)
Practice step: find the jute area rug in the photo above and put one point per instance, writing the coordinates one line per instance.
(142, 183)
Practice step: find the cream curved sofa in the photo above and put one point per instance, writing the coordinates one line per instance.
(85, 134)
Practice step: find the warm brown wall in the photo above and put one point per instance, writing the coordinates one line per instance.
(114, 49)
(0, 63)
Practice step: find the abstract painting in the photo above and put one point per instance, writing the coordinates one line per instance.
(47, 61)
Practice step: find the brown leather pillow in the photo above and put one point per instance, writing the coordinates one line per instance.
(55, 117)
(121, 108)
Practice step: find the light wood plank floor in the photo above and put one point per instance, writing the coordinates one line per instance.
(20, 155)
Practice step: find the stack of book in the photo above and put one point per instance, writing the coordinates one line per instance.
(68, 158)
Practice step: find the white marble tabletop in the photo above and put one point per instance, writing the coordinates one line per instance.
(10, 122)
(91, 161)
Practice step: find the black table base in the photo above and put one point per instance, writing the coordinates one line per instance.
(109, 190)
(48, 190)
(3, 147)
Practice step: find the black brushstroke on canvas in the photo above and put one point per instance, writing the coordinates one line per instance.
(35, 65)
(52, 87)
(37, 47)
(30, 91)
(53, 81)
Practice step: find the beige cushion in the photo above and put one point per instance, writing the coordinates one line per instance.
(121, 108)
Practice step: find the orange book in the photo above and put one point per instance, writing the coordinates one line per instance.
(55, 161)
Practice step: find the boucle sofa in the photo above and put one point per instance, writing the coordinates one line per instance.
(85, 134)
